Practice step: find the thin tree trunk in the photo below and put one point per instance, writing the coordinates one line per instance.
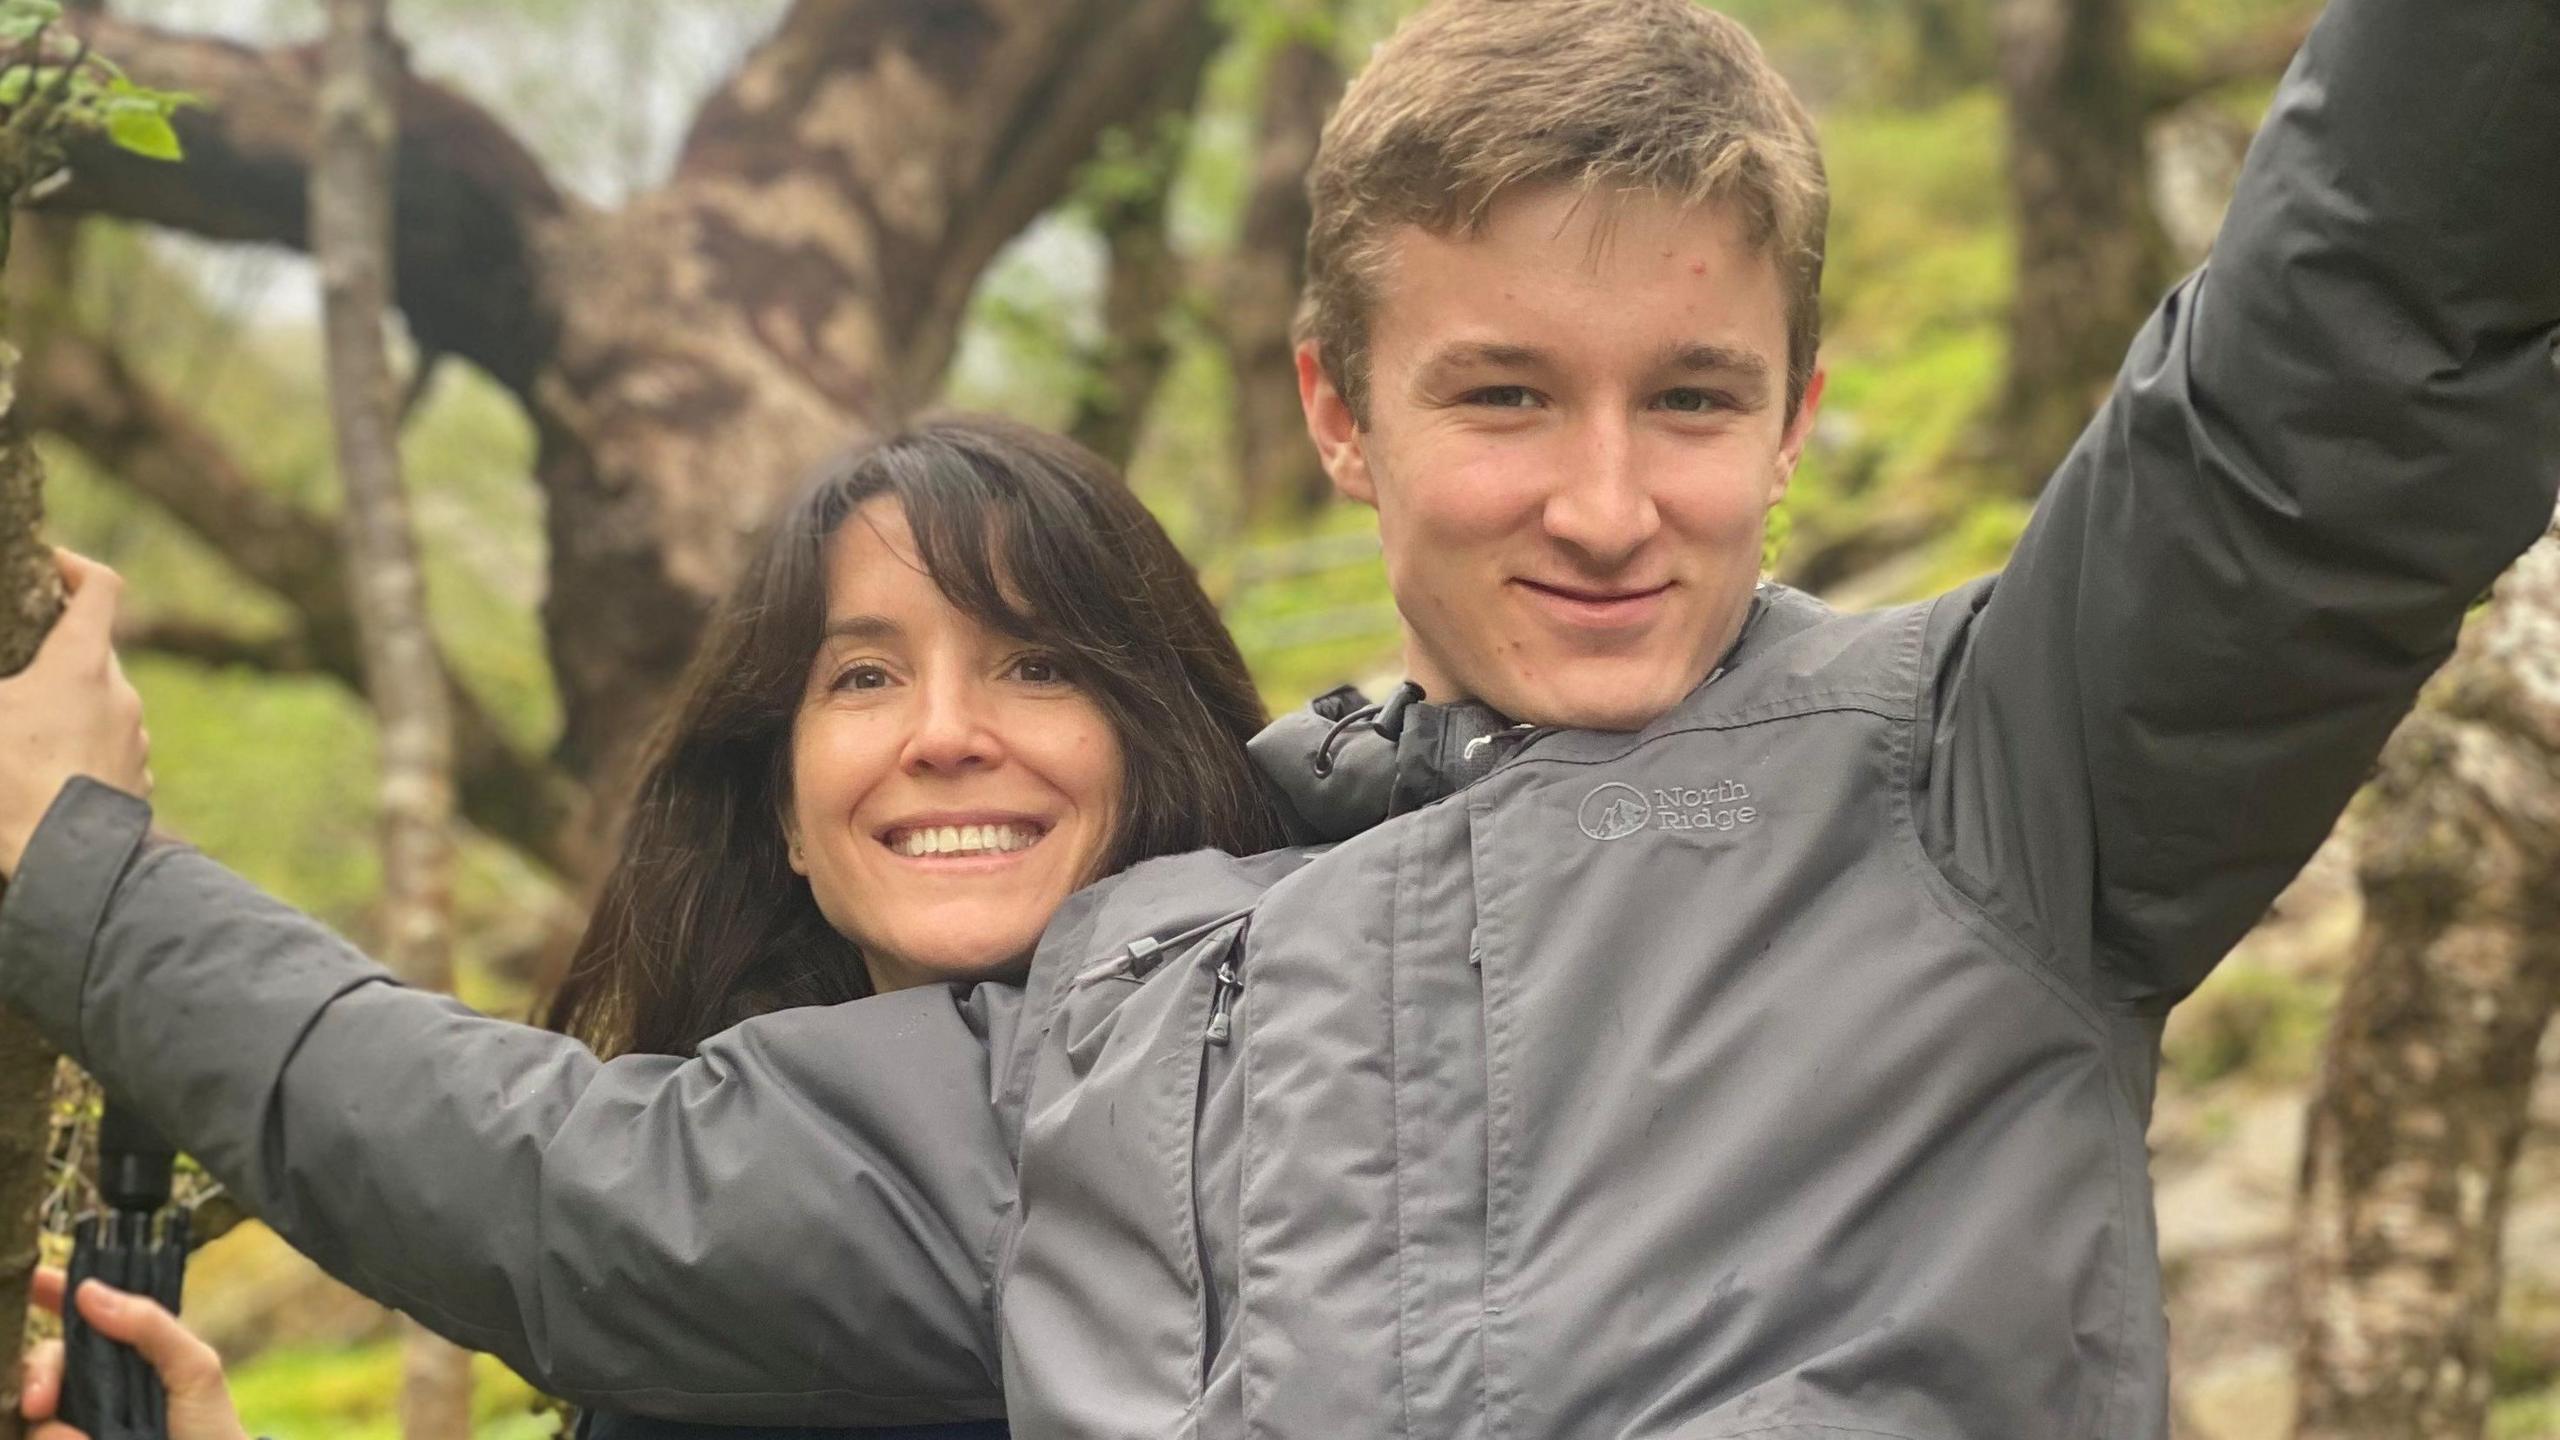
(30, 601)
(1143, 272)
(2091, 258)
(2412, 1136)
(351, 238)
(1280, 477)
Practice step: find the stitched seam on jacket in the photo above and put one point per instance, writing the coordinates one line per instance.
(1396, 1135)
(1492, 919)
(1978, 920)
(1950, 891)
(1879, 710)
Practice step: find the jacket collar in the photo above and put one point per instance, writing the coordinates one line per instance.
(1345, 763)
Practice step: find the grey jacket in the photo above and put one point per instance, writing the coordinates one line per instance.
(1779, 1071)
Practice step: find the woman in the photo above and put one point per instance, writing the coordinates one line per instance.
(962, 676)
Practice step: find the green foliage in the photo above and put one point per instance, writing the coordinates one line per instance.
(352, 1394)
(52, 88)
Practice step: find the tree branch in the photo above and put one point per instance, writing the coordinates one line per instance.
(83, 391)
(1012, 94)
(471, 204)
(216, 647)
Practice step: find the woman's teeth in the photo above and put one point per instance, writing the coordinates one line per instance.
(964, 840)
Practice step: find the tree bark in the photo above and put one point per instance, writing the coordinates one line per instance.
(404, 671)
(797, 284)
(2413, 1134)
(2091, 259)
(30, 601)
(1278, 471)
(1143, 277)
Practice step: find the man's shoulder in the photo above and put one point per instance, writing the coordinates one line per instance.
(1800, 653)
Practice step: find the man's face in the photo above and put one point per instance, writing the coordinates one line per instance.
(1577, 426)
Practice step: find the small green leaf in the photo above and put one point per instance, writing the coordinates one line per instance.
(145, 130)
(13, 86)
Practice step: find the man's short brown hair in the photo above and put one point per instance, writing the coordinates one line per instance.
(1473, 99)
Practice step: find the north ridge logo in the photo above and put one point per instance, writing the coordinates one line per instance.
(1615, 810)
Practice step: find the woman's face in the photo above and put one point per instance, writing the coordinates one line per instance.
(949, 785)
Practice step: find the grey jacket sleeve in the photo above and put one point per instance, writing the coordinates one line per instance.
(2321, 450)
(796, 1227)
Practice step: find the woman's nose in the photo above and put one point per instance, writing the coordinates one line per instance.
(954, 727)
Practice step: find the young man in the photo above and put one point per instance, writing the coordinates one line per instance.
(1721, 1018)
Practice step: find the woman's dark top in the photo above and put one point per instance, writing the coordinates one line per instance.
(596, 1426)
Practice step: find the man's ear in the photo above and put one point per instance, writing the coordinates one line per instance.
(1334, 429)
(1799, 431)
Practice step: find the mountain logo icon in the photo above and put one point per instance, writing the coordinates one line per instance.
(1615, 811)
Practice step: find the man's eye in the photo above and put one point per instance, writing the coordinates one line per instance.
(1504, 397)
(1692, 402)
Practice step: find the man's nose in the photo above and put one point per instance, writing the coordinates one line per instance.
(954, 727)
(1601, 507)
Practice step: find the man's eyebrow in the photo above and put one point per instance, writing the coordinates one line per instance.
(867, 628)
(1717, 359)
(1490, 354)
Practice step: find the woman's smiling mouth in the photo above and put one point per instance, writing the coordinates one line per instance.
(962, 839)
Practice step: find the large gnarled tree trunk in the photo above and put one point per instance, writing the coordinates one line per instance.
(2421, 1107)
(351, 238)
(799, 282)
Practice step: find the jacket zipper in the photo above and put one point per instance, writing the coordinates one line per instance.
(1222, 1002)
(1220, 1030)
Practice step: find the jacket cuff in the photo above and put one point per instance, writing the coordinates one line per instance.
(49, 918)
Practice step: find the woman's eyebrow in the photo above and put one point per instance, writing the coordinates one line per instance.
(865, 628)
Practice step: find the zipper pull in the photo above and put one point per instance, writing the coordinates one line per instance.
(1222, 1003)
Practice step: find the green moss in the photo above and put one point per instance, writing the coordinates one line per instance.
(353, 1394)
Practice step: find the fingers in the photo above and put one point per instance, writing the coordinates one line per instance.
(40, 1389)
(48, 1289)
(186, 1364)
(87, 626)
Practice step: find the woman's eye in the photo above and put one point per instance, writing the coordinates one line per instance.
(862, 677)
(1503, 397)
(1039, 670)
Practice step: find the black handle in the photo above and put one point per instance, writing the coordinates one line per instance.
(108, 1389)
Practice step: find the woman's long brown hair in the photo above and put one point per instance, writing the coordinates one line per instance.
(702, 923)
